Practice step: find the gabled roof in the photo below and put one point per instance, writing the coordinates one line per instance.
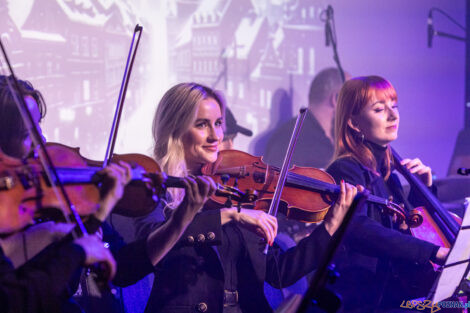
(210, 12)
(82, 11)
(245, 36)
(185, 35)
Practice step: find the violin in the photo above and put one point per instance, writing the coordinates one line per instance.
(26, 192)
(141, 195)
(307, 194)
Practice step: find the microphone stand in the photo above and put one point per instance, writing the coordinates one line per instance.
(444, 34)
(330, 38)
(447, 35)
(460, 155)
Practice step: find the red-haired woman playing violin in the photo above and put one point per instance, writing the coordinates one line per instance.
(367, 121)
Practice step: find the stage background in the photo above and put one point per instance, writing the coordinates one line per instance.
(262, 54)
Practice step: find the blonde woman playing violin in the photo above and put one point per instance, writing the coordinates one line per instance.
(218, 265)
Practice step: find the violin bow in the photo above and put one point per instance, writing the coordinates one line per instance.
(44, 156)
(122, 95)
(273, 207)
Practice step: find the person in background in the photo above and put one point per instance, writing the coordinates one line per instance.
(314, 146)
(231, 131)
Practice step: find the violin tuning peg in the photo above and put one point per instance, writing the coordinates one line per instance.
(225, 178)
(250, 196)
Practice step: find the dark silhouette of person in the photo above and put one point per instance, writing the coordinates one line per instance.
(281, 112)
(314, 146)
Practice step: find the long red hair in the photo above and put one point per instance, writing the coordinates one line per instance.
(353, 97)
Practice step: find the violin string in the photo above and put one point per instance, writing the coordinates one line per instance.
(319, 185)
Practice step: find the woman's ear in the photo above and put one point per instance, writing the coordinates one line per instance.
(353, 125)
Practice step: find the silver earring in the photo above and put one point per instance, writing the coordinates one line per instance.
(362, 137)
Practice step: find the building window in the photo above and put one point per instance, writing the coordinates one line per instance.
(241, 91)
(262, 98)
(230, 88)
(86, 90)
(312, 12)
(300, 60)
(75, 45)
(268, 99)
(311, 61)
(85, 46)
(94, 47)
(49, 67)
(304, 13)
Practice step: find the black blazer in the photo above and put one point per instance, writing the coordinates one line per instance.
(41, 284)
(372, 244)
(190, 278)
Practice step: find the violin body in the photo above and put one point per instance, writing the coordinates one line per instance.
(81, 189)
(140, 195)
(252, 176)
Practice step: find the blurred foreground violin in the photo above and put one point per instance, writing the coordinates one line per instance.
(81, 178)
(307, 195)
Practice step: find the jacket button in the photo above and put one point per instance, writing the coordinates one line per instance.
(190, 239)
(210, 236)
(201, 238)
(201, 307)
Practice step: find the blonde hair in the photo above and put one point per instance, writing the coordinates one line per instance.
(353, 97)
(175, 114)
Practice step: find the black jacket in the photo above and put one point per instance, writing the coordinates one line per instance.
(372, 244)
(191, 279)
(313, 148)
(42, 283)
